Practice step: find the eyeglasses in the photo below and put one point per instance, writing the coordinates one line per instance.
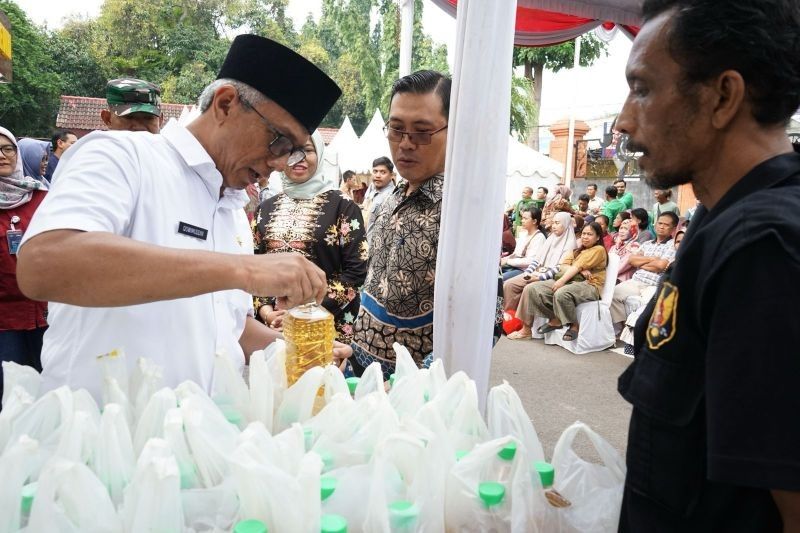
(280, 145)
(416, 137)
(8, 150)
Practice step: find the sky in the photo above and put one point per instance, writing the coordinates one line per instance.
(596, 91)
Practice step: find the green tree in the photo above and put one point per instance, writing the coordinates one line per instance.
(555, 58)
(80, 70)
(523, 110)
(30, 102)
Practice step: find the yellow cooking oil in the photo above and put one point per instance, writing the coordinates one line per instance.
(309, 332)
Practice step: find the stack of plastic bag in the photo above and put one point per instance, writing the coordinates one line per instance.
(413, 456)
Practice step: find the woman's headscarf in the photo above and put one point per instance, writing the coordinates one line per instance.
(556, 246)
(16, 189)
(316, 184)
(31, 152)
(627, 234)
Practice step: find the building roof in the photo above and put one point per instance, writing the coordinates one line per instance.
(83, 113)
(328, 134)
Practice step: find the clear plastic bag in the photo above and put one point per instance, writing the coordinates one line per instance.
(299, 399)
(16, 375)
(114, 460)
(262, 391)
(71, 499)
(174, 435)
(211, 438)
(78, 441)
(371, 381)
(147, 379)
(506, 416)
(151, 419)
(349, 498)
(229, 391)
(17, 401)
(595, 490)
(457, 402)
(16, 467)
(153, 498)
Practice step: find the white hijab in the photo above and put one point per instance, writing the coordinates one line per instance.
(17, 189)
(557, 246)
(316, 184)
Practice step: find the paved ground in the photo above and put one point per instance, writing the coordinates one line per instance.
(557, 388)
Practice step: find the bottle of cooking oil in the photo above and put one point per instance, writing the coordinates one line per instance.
(309, 332)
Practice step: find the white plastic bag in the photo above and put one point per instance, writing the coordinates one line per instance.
(17, 402)
(229, 391)
(371, 381)
(78, 441)
(20, 375)
(333, 383)
(211, 438)
(262, 391)
(210, 509)
(147, 378)
(70, 499)
(268, 493)
(151, 419)
(114, 460)
(153, 498)
(457, 402)
(175, 437)
(298, 400)
(517, 512)
(595, 490)
(349, 498)
(506, 416)
(16, 467)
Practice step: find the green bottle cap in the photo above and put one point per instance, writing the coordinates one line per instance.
(391, 379)
(546, 473)
(491, 493)
(333, 523)
(327, 484)
(352, 383)
(308, 438)
(508, 452)
(28, 493)
(460, 454)
(250, 526)
(403, 513)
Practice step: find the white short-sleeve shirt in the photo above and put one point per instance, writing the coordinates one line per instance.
(145, 187)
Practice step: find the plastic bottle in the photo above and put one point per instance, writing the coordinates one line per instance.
(250, 526)
(327, 486)
(505, 462)
(493, 495)
(352, 383)
(309, 332)
(28, 494)
(333, 523)
(547, 475)
(403, 516)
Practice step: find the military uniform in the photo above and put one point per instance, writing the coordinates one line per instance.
(715, 378)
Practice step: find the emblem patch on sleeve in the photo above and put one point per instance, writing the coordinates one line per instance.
(662, 324)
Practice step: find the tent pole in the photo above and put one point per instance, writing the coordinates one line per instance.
(465, 293)
(406, 35)
(571, 137)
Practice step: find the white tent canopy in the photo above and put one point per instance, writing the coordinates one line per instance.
(373, 143)
(529, 168)
(343, 150)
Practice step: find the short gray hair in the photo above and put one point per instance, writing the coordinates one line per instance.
(250, 95)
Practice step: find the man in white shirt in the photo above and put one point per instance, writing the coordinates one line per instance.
(595, 203)
(144, 245)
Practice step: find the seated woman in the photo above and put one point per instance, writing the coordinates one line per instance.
(528, 244)
(544, 265)
(641, 219)
(625, 243)
(559, 202)
(580, 279)
(608, 238)
(313, 218)
(621, 217)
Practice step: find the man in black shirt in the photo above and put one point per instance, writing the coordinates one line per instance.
(714, 441)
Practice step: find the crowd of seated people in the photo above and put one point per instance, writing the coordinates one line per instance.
(563, 253)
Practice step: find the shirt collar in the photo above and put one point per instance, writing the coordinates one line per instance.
(432, 188)
(195, 156)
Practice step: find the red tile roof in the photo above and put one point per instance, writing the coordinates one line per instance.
(328, 134)
(83, 113)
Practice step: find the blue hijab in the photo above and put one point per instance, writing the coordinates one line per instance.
(31, 152)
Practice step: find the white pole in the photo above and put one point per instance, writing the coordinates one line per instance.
(465, 295)
(571, 136)
(406, 35)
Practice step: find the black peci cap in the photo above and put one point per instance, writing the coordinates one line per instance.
(282, 75)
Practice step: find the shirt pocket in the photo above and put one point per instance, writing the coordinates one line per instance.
(666, 442)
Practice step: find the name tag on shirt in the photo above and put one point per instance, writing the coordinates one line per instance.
(185, 228)
(14, 237)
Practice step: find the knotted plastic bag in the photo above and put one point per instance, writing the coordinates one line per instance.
(595, 490)
(114, 460)
(211, 438)
(147, 378)
(229, 391)
(153, 497)
(71, 499)
(457, 402)
(16, 467)
(16, 375)
(151, 419)
(506, 416)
